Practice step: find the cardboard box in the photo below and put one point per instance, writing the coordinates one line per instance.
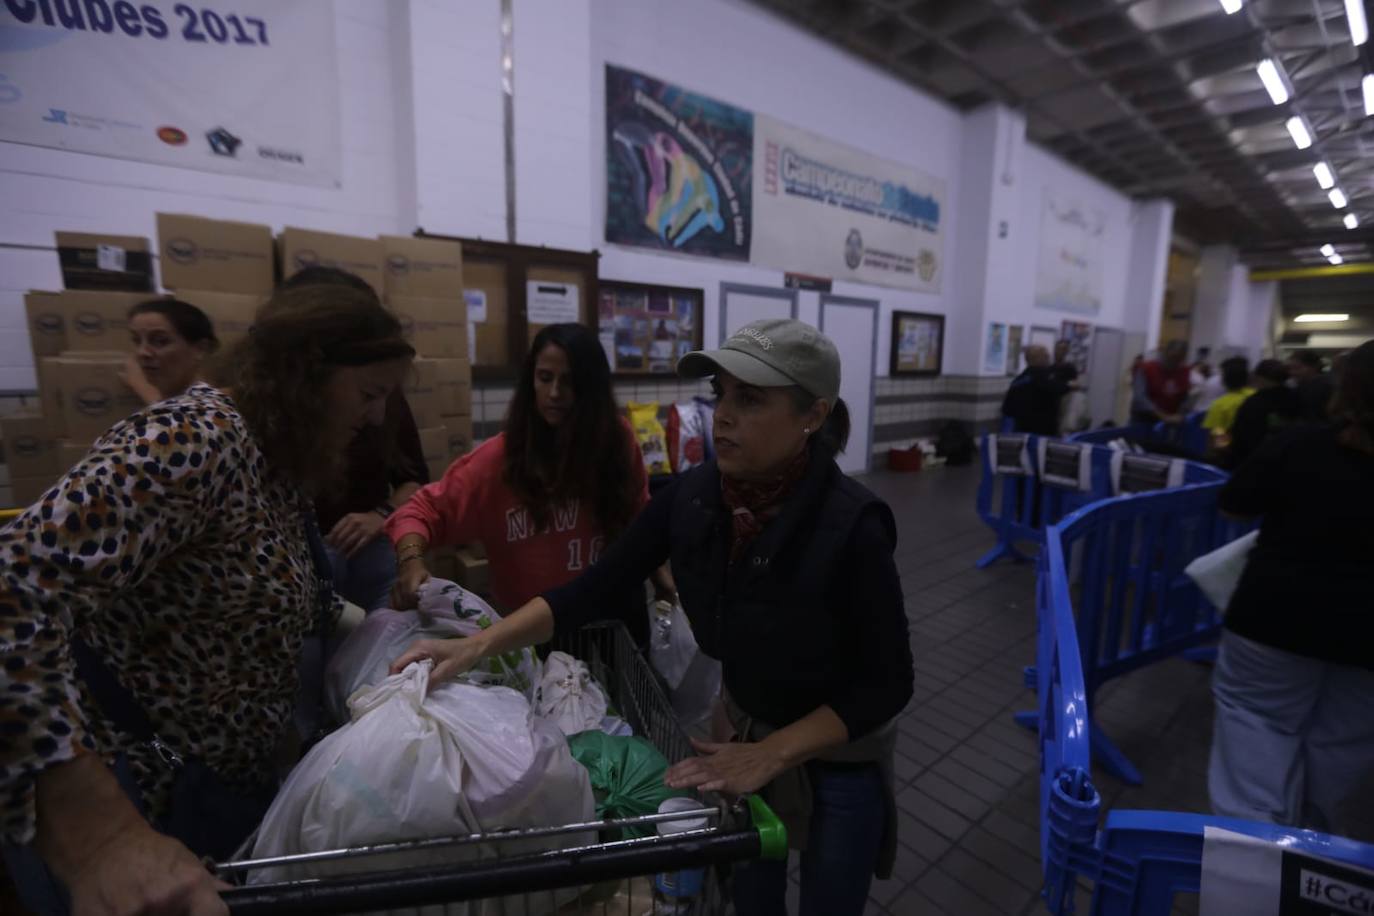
(422, 393)
(453, 386)
(474, 572)
(70, 453)
(434, 327)
(92, 396)
(25, 491)
(429, 268)
(31, 448)
(228, 257)
(302, 248)
(97, 322)
(50, 395)
(232, 314)
(47, 323)
(459, 441)
(434, 443)
(105, 262)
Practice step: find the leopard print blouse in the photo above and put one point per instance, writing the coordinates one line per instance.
(182, 561)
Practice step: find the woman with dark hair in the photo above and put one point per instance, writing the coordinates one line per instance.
(544, 496)
(171, 339)
(1294, 680)
(785, 569)
(1270, 410)
(152, 606)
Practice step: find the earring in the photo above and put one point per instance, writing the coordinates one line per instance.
(806, 430)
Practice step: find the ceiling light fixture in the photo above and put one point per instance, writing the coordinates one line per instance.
(1359, 26)
(1314, 318)
(1324, 176)
(1298, 130)
(1367, 86)
(1336, 260)
(1328, 250)
(1231, 6)
(1352, 221)
(1273, 81)
(1337, 198)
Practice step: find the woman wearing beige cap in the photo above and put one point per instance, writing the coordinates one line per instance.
(784, 566)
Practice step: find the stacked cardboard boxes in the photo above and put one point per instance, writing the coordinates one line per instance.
(226, 269)
(423, 282)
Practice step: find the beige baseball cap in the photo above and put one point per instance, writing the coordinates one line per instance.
(773, 353)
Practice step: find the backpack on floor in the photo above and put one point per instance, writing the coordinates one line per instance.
(954, 444)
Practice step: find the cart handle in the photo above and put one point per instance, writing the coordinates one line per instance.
(772, 833)
(494, 878)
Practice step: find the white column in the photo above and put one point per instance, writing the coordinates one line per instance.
(1152, 223)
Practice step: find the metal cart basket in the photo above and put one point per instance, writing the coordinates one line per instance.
(600, 873)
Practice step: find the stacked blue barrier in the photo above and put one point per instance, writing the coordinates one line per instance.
(1030, 482)
(1139, 861)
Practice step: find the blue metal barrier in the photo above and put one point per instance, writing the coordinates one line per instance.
(1138, 861)
(1030, 482)
(1106, 434)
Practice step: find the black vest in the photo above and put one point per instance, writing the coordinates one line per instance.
(777, 618)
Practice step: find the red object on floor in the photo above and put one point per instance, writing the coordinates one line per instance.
(904, 459)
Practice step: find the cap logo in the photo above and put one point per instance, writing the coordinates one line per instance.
(758, 337)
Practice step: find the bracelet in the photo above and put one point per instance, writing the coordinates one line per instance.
(385, 510)
(401, 561)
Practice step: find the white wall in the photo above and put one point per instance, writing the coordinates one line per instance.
(45, 190)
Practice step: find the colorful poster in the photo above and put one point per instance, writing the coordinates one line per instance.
(679, 169)
(1072, 237)
(995, 349)
(249, 88)
(822, 207)
(917, 343)
(648, 328)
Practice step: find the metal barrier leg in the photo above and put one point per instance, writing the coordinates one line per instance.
(1110, 756)
(1206, 655)
(1003, 549)
(1030, 720)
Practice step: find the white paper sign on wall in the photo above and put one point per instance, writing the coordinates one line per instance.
(551, 303)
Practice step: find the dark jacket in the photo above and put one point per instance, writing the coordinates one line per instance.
(1308, 586)
(1032, 401)
(812, 613)
(1264, 413)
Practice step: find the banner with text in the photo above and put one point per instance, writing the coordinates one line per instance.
(249, 88)
(825, 208)
(678, 168)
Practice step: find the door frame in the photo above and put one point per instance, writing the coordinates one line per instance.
(877, 309)
(767, 292)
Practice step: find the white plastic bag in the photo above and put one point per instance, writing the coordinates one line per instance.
(1218, 573)
(568, 695)
(693, 678)
(416, 764)
(447, 611)
(671, 644)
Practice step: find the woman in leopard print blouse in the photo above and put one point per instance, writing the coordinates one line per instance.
(176, 550)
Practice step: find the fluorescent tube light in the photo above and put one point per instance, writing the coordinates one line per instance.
(1359, 26)
(1273, 83)
(1298, 130)
(1351, 221)
(1324, 176)
(1311, 318)
(1337, 198)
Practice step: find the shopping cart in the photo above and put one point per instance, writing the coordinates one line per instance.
(601, 873)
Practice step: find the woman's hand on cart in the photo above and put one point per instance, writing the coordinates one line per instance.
(140, 871)
(736, 768)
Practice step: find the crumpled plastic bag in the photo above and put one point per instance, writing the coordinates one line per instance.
(417, 764)
(568, 695)
(1218, 573)
(692, 676)
(446, 611)
(627, 775)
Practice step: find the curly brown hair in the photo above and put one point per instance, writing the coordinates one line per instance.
(278, 376)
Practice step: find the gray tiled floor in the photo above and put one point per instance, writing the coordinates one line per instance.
(967, 775)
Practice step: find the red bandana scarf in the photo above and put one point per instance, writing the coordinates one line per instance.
(752, 504)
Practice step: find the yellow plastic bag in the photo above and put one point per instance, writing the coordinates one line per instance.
(652, 438)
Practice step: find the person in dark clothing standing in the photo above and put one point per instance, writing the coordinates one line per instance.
(1272, 408)
(1032, 401)
(385, 467)
(1294, 680)
(1313, 384)
(1063, 369)
(784, 567)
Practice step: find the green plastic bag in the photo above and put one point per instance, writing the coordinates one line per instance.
(626, 774)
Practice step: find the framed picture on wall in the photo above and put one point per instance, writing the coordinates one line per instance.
(1041, 336)
(1014, 349)
(1079, 334)
(995, 348)
(918, 344)
(645, 328)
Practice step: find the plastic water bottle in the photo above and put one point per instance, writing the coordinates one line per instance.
(676, 893)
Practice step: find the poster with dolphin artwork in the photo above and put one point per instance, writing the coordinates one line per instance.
(679, 169)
